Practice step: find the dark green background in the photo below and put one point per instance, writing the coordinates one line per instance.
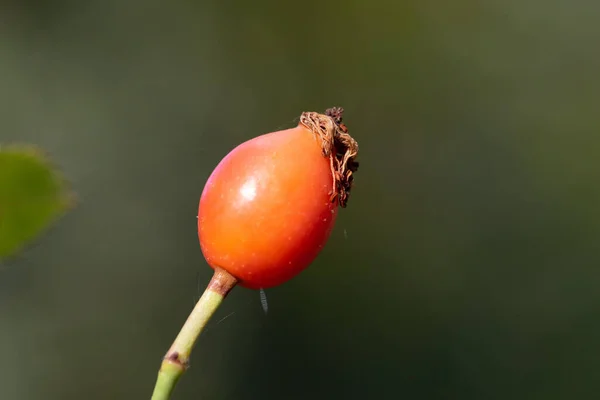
(465, 267)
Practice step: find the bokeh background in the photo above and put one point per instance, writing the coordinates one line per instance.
(465, 267)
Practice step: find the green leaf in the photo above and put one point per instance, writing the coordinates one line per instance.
(32, 195)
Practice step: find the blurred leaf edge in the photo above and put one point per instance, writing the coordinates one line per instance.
(22, 225)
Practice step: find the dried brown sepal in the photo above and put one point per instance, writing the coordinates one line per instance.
(338, 145)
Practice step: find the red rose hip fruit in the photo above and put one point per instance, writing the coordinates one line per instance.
(270, 205)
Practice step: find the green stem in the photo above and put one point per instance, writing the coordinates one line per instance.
(177, 358)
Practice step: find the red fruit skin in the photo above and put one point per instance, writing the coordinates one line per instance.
(265, 212)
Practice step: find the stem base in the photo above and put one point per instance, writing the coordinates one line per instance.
(177, 359)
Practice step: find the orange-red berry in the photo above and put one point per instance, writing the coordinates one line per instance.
(266, 211)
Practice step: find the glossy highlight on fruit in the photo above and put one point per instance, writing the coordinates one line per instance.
(269, 207)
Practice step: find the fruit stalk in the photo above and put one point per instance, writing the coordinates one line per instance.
(176, 361)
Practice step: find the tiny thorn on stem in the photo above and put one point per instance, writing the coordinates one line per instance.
(175, 358)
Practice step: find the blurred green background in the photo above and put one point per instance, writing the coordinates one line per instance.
(465, 267)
